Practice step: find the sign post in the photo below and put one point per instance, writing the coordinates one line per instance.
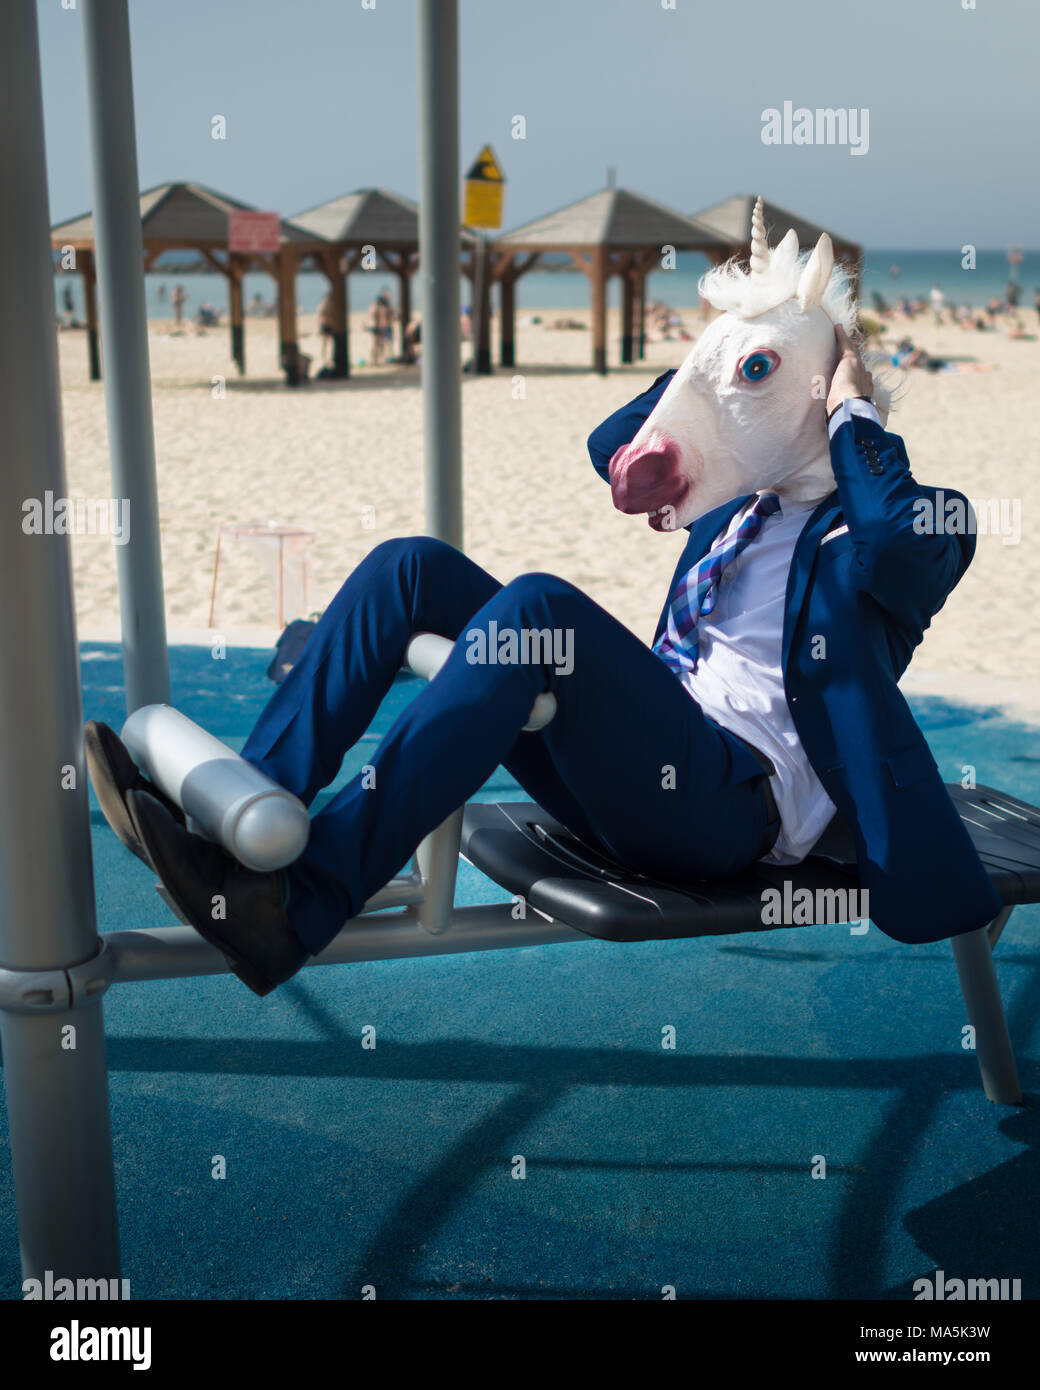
(249, 233)
(484, 197)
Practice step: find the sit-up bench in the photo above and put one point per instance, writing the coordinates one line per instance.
(572, 892)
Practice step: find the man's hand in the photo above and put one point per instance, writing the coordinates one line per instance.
(850, 378)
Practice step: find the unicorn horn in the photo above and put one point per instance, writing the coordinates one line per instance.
(759, 245)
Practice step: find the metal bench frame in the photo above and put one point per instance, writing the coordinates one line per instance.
(427, 922)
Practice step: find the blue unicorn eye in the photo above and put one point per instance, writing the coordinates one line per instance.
(757, 365)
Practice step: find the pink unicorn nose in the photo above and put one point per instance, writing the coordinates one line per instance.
(643, 479)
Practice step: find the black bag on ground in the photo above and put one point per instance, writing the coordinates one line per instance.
(289, 647)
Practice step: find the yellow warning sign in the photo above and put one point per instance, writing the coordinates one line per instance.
(485, 189)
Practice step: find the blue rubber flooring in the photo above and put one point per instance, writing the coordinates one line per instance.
(644, 1167)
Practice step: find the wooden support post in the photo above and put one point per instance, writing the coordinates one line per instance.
(507, 309)
(287, 332)
(340, 315)
(404, 301)
(238, 342)
(640, 314)
(481, 316)
(628, 280)
(510, 267)
(89, 271)
(643, 316)
(335, 267)
(598, 279)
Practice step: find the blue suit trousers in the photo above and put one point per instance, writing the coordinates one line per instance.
(629, 763)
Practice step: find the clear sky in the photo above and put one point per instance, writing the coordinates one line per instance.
(320, 99)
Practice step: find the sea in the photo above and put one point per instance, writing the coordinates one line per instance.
(892, 274)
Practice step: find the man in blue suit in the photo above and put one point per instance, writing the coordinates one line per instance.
(746, 756)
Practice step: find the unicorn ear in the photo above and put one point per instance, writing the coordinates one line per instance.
(816, 274)
(783, 257)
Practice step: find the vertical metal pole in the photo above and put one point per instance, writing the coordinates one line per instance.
(56, 1081)
(439, 250)
(124, 332)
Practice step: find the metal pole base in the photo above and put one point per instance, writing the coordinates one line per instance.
(61, 1145)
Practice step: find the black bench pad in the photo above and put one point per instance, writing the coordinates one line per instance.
(525, 851)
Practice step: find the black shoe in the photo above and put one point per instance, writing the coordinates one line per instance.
(113, 773)
(254, 933)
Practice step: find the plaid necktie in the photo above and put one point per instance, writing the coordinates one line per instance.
(697, 590)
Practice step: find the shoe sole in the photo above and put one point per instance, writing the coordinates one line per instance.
(242, 968)
(111, 794)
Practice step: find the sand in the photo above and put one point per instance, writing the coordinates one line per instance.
(345, 458)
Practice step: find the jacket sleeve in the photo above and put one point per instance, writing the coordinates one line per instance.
(623, 426)
(912, 544)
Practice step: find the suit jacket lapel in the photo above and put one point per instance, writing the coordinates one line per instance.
(802, 563)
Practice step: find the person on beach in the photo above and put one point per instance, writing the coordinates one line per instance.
(666, 325)
(623, 718)
(178, 299)
(381, 326)
(909, 355)
(1015, 328)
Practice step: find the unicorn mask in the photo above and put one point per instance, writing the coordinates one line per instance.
(745, 411)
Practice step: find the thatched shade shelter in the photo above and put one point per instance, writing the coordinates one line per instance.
(373, 220)
(187, 216)
(614, 232)
(732, 219)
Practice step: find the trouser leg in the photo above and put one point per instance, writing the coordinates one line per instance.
(629, 756)
(330, 697)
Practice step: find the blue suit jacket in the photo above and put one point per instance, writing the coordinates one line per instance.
(871, 594)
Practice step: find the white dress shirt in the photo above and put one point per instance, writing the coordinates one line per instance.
(739, 679)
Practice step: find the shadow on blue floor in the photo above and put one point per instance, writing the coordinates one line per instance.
(692, 1167)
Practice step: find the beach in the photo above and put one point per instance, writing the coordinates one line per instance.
(345, 459)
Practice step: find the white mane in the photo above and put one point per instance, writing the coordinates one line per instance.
(730, 288)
